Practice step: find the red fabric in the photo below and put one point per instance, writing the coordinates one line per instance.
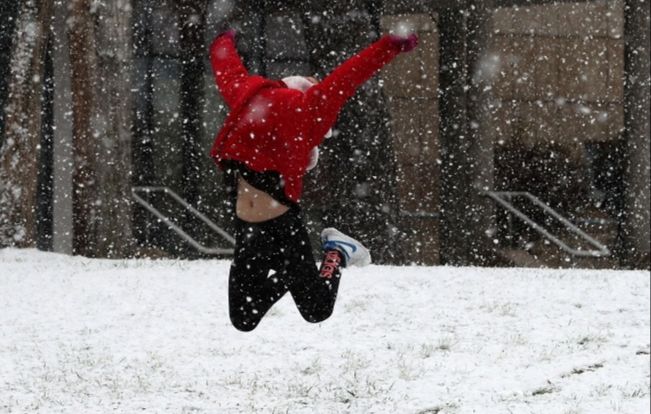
(272, 127)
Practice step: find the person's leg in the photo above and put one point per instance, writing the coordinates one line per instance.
(251, 292)
(314, 290)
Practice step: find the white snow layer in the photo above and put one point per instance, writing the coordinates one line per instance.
(95, 336)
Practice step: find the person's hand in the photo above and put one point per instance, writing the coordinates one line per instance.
(405, 43)
(230, 33)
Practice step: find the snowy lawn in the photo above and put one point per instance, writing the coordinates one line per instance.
(95, 336)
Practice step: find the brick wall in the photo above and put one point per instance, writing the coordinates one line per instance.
(558, 72)
(410, 84)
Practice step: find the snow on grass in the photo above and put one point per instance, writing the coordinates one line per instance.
(95, 336)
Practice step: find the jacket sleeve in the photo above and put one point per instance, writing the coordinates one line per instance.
(227, 67)
(326, 98)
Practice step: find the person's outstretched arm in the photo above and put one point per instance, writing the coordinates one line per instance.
(326, 98)
(227, 66)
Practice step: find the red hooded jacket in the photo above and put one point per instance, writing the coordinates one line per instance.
(273, 128)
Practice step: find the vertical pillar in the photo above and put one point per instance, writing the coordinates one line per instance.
(638, 135)
(8, 13)
(62, 115)
(142, 146)
(454, 136)
(45, 178)
(191, 15)
(481, 219)
(467, 149)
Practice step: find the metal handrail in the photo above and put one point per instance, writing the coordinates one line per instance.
(177, 229)
(601, 249)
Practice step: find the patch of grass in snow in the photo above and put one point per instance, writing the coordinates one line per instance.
(518, 339)
(444, 409)
(445, 343)
(300, 390)
(356, 305)
(233, 380)
(573, 405)
(409, 369)
(601, 390)
(644, 351)
(589, 339)
(83, 373)
(500, 308)
(354, 385)
(581, 370)
(363, 389)
(548, 353)
(426, 350)
(616, 406)
(547, 389)
(635, 391)
(354, 361)
(313, 368)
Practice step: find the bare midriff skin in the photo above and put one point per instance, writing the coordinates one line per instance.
(254, 205)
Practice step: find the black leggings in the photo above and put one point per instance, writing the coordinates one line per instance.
(271, 258)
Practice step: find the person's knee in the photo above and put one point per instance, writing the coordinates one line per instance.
(317, 315)
(243, 324)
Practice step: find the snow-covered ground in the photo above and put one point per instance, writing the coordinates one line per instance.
(95, 336)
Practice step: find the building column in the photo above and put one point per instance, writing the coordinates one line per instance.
(62, 159)
(8, 14)
(191, 15)
(44, 219)
(481, 220)
(467, 216)
(637, 132)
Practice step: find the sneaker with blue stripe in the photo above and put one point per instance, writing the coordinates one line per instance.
(355, 254)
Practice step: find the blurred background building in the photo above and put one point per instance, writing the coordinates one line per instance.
(509, 115)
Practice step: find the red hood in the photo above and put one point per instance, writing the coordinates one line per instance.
(246, 91)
